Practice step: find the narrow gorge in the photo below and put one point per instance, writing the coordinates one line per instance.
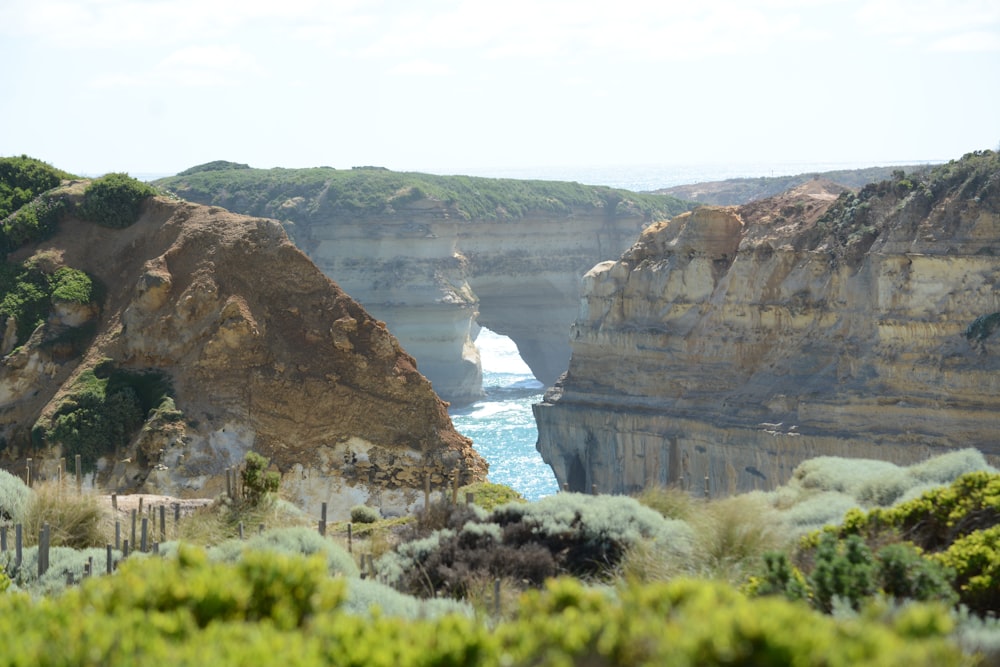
(730, 344)
(438, 257)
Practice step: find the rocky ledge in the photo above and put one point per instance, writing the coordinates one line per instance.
(730, 344)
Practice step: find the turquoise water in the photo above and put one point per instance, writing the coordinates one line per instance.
(502, 425)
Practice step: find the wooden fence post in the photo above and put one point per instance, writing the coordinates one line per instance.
(133, 525)
(322, 520)
(114, 503)
(163, 523)
(708, 492)
(3, 538)
(109, 568)
(18, 544)
(118, 534)
(241, 530)
(79, 475)
(350, 540)
(43, 550)
(125, 549)
(27, 473)
(144, 545)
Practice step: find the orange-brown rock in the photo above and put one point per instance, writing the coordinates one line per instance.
(265, 353)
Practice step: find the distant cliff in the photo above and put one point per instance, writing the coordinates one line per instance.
(737, 191)
(215, 335)
(733, 343)
(437, 257)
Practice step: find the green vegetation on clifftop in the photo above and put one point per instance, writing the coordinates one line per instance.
(320, 192)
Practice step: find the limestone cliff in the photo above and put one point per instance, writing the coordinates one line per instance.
(262, 351)
(438, 257)
(733, 343)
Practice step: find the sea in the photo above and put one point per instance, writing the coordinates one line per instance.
(501, 425)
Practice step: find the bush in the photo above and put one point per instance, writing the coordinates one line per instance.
(114, 200)
(906, 575)
(975, 560)
(103, 411)
(34, 221)
(489, 495)
(15, 497)
(294, 540)
(22, 179)
(364, 514)
(258, 483)
(529, 542)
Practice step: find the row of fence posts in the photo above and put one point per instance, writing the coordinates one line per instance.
(60, 471)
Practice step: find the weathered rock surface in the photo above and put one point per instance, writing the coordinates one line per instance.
(436, 272)
(264, 352)
(733, 343)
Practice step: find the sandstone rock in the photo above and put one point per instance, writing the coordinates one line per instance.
(733, 343)
(436, 273)
(264, 353)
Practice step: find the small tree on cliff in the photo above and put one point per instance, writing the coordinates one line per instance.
(258, 483)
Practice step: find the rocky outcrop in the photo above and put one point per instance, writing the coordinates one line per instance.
(437, 258)
(263, 352)
(730, 344)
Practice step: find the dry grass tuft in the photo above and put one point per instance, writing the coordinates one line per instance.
(76, 519)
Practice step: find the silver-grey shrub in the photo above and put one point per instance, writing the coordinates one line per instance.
(15, 497)
(292, 540)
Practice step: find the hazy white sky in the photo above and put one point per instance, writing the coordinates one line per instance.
(157, 86)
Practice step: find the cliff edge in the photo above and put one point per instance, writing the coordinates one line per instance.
(733, 343)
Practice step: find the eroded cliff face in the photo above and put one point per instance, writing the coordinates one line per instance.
(435, 278)
(436, 273)
(733, 343)
(264, 353)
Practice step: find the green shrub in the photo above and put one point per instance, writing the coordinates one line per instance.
(72, 286)
(364, 514)
(15, 497)
(35, 221)
(708, 623)
(844, 570)
(292, 540)
(105, 408)
(258, 482)
(114, 200)
(906, 575)
(24, 178)
(190, 611)
(489, 495)
(975, 560)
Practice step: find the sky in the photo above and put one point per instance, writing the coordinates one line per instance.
(151, 86)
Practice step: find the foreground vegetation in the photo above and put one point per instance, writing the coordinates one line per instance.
(662, 579)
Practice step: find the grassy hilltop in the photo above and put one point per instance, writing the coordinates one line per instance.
(317, 193)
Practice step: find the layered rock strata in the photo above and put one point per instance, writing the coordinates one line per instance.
(436, 272)
(263, 352)
(730, 344)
